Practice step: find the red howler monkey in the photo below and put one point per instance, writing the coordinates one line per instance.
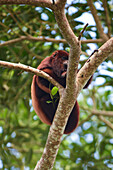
(56, 67)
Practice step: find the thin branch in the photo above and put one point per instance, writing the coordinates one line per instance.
(107, 122)
(108, 21)
(31, 38)
(29, 69)
(3, 25)
(92, 41)
(98, 112)
(97, 20)
(42, 3)
(44, 39)
(81, 33)
(102, 112)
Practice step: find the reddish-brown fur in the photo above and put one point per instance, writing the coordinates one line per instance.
(56, 67)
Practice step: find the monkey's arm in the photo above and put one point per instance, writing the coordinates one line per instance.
(36, 102)
(44, 84)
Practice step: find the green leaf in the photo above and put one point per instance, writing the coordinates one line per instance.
(48, 101)
(54, 91)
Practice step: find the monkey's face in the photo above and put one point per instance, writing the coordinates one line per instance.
(59, 63)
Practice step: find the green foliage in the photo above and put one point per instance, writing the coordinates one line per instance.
(54, 91)
(22, 134)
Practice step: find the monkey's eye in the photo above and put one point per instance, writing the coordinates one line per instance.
(55, 54)
(65, 66)
(64, 57)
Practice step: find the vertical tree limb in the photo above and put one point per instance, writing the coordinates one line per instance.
(97, 20)
(108, 21)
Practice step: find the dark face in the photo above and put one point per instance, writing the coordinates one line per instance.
(59, 63)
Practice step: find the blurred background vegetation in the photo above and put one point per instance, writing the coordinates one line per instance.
(22, 134)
